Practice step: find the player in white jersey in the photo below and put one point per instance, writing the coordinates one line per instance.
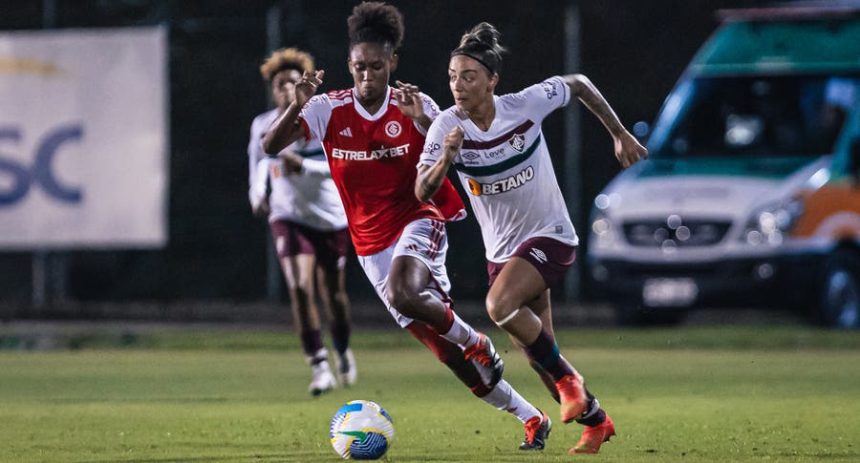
(308, 226)
(496, 146)
(373, 135)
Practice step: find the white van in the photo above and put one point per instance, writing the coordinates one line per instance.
(751, 193)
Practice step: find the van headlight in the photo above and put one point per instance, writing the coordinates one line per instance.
(769, 224)
(602, 230)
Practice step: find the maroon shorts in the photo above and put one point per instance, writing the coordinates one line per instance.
(550, 257)
(329, 247)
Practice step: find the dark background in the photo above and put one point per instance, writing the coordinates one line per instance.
(634, 51)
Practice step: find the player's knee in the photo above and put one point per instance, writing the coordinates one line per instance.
(499, 308)
(341, 299)
(301, 297)
(403, 297)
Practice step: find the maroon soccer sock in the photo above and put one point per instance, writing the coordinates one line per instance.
(547, 380)
(340, 337)
(311, 344)
(545, 352)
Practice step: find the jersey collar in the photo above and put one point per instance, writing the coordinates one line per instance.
(495, 118)
(363, 112)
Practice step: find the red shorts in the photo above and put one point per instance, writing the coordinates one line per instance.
(550, 257)
(329, 247)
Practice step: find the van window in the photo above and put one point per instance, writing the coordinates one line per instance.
(759, 116)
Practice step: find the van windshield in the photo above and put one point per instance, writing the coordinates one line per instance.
(755, 116)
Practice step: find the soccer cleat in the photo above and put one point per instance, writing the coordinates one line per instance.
(593, 437)
(322, 380)
(484, 356)
(347, 373)
(537, 432)
(574, 401)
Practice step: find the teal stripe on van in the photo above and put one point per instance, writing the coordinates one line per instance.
(775, 168)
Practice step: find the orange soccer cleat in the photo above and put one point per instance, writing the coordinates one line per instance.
(537, 432)
(574, 401)
(593, 437)
(488, 362)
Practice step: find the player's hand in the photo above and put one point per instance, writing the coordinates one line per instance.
(307, 86)
(452, 144)
(409, 100)
(628, 150)
(291, 162)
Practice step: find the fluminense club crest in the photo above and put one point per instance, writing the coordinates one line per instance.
(518, 142)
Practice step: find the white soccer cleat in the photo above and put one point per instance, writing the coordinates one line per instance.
(322, 380)
(347, 372)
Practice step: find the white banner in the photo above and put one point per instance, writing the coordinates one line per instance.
(83, 139)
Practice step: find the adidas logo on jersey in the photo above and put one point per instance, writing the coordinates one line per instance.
(538, 255)
(345, 132)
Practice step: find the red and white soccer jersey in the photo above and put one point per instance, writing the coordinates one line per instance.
(507, 170)
(372, 159)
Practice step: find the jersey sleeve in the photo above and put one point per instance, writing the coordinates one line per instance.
(431, 109)
(435, 137)
(315, 116)
(255, 154)
(545, 97)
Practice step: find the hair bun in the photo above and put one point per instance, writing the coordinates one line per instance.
(484, 35)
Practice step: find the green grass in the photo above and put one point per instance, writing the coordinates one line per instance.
(691, 395)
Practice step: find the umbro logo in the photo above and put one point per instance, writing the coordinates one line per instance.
(345, 132)
(538, 255)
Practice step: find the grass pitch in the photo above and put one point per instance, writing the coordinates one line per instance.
(692, 395)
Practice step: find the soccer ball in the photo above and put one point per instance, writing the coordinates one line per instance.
(361, 430)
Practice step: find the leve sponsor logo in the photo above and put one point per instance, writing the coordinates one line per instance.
(384, 153)
(501, 186)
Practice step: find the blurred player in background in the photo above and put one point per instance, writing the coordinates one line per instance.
(308, 227)
(497, 147)
(373, 135)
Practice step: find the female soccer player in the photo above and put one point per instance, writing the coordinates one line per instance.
(373, 135)
(496, 146)
(308, 226)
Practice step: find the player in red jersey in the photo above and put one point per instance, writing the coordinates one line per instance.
(373, 135)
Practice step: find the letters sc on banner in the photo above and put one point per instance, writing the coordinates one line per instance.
(19, 178)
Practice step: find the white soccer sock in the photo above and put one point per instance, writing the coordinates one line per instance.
(506, 398)
(461, 333)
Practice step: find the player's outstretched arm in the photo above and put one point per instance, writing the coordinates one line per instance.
(286, 128)
(430, 178)
(627, 148)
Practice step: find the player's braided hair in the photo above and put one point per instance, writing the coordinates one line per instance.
(376, 22)
(286, 58)
(481, 43)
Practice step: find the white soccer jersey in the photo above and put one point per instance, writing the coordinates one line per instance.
(310, 200)
(507, 170)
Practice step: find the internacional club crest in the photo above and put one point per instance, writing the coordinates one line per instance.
(392, 129)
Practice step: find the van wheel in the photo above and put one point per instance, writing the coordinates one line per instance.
(839, 298)
(633, 313)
